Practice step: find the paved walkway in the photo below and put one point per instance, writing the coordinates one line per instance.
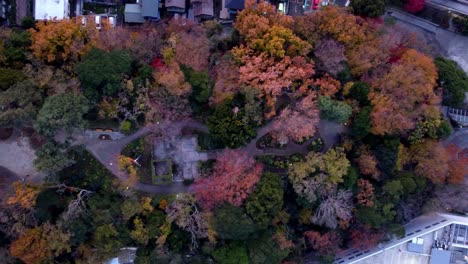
(107, 151)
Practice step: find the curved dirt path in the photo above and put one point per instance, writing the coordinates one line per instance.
(107, 152)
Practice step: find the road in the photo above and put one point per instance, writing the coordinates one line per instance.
(450, 5)
(451, 45)
(107, 152)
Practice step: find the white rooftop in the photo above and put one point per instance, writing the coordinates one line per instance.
(50, 9)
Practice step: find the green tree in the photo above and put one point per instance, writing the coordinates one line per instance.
(229, 126)
(201, 87)
(61, 111)
(360, 92)
(334, 110)
(129, 208)
(231, 222)
(362, 123)
(106, 240)
(19, 104)
(101, 72)
(368, 8)
(231, 253)
(8, 77)
(394, 189)
(52, 157)
(265, 250)
(266, 201)
(453, 80)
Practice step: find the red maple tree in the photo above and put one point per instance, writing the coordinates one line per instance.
(414, 6)
(324, 244)
(234, 177)
(363, 237)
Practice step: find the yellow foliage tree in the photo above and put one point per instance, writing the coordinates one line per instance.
(60, 41)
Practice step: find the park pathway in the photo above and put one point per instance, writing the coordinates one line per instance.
(107, 151)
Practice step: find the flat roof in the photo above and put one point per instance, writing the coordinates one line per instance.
(133, 13)
(440, 256)
(50, 9)
(150, 8)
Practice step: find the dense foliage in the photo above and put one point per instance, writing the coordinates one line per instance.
(348, 148)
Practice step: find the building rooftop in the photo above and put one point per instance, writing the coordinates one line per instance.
(133, 13)
(51, 9)
(443, 232)
(150, 8)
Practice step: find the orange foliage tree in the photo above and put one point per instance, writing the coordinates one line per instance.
(431, 160)
(458, 164)
(404, 95)
(59, 41)
(226, 80)
(272, 57)
(367, 163)
(365, 194)
(40, 243)
(327, 85)
(172, 78)
(25, 195)
(234, 177)
(324, 244)
(334, 22)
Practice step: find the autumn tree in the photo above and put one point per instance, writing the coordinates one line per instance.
(458, 165)
(335, 207)
(326, 85)
(330, 56)
(271, 57)
(431, 160)
(194, 43)
(139, 232)
(172, 78)
(163, 104)
(40, 244)
(365, 57)
(316, 175)
(404, 95)
(25, 195)
(364, 237)
(185, 214)
(367, 162)
(333, 22)
(365, 194)
(226, 80)
(324, 244)
(61, 40)
(298, 122)
(233, 180)
(414, 6)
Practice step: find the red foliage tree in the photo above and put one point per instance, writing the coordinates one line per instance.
(458, 164)
(365, 194)
(326, 244)
(431, 160)
(363, 237)
(297, 123)
(234, 177)
(414, 6)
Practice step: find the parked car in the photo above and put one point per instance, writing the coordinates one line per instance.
(315, 5)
